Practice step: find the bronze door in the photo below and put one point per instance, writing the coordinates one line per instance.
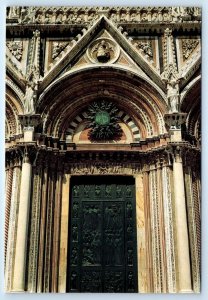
(102, 244)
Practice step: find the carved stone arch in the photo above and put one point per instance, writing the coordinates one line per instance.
(118, 69)
(64, 100)
(124, 117)
(18, 93)
(13, 109)
(191, 103)
(196, 82)
(57, 125)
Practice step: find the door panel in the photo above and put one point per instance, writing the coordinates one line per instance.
(102, 245)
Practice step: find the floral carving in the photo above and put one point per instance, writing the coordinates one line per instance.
(146, 47)
(188, 46)
(16, 48)
(57, 48)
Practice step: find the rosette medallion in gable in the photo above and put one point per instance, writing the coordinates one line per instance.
(103, 50)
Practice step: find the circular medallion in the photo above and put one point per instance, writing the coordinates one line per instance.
(102, 118)
(103, 50)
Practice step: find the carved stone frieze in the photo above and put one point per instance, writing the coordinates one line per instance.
(104, 169)
(78, 15)
(188, 46)
(16, 48)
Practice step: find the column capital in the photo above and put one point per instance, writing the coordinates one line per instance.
(176, 151)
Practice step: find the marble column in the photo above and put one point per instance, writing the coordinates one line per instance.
(148, 231)
(141, 240)
(22, 227)
(11, 242)
(9, 179)
(64, 234)
(184, 272)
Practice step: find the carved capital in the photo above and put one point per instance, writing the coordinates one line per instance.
(174, 120)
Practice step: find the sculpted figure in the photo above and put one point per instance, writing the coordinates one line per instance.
(173, 95)
(103, 52)
(30, 95)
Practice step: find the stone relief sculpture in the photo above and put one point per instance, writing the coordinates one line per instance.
(173, 95)
(31, 93)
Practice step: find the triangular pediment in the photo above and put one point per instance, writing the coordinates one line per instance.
(119, 57)
(86, 50)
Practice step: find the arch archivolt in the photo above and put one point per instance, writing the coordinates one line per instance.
(70, 98)
(188, 88)
(12, 110)
(17, 91)
(190, 103)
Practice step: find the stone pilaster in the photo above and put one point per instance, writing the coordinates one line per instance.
(44, 196)
(56, 229)
(156, 254)
(141, 239)
(169, 230)
(22, 227)
(49, 232)
(64, 233)
(161, 223)
(148, 239)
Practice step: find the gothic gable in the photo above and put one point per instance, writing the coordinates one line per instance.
(86, 49)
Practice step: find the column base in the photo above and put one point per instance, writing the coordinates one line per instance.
(17, 291)
(186, 291)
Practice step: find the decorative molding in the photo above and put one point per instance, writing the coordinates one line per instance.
(104, 169)
(10, 259)
(156, 251)
(34, 232)
(169, 231)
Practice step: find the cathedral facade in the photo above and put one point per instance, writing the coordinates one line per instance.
(103, 149)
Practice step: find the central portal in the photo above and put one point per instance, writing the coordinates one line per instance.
(102, 245)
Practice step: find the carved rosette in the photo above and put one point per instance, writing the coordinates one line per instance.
(103, 121)
(188, 47)
(103, 50)
(145, 47)
(16, 48)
